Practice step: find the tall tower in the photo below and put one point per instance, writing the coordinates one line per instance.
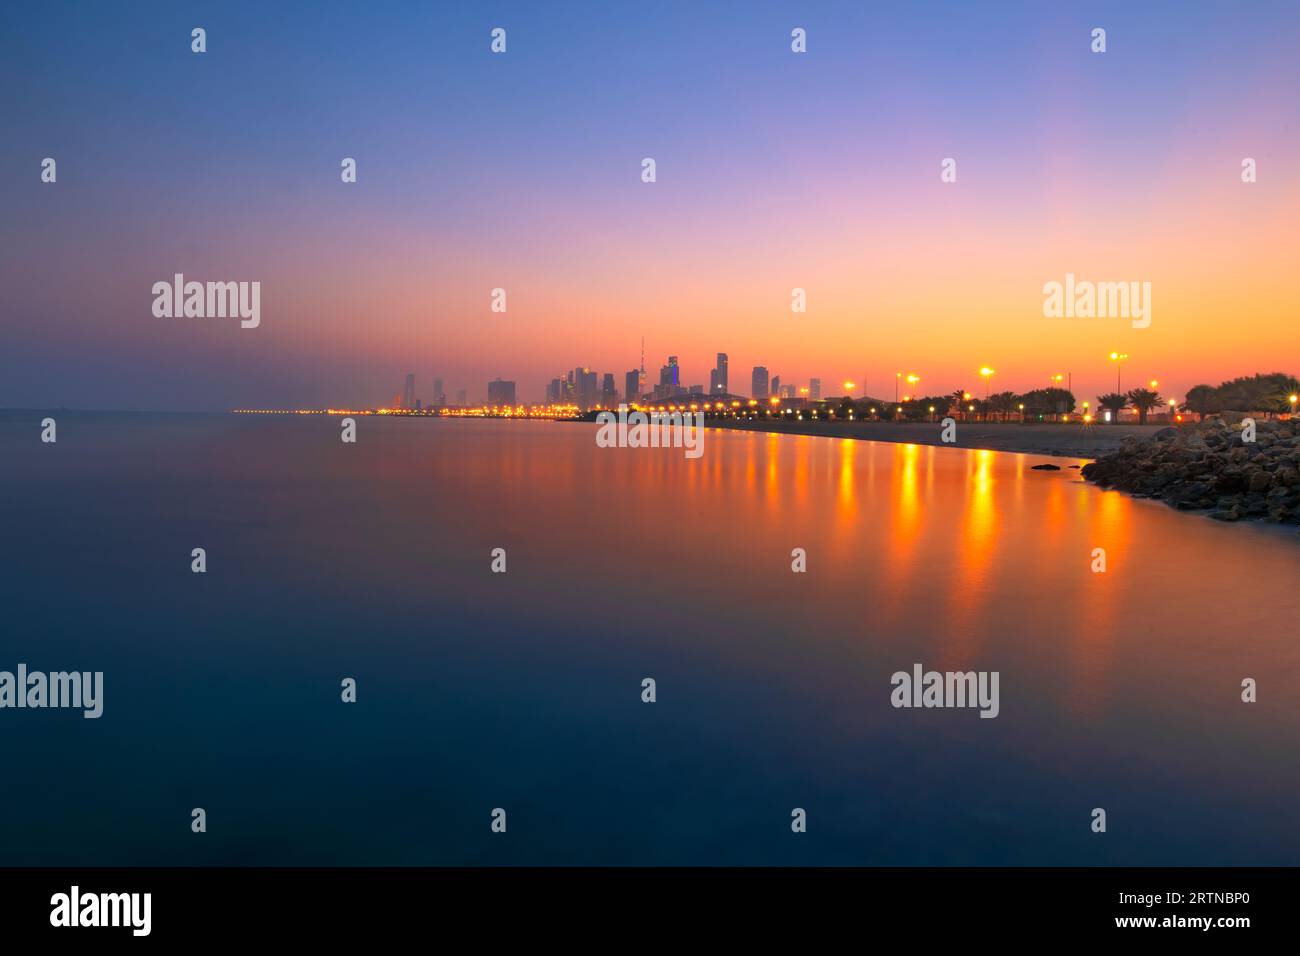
(641, 389)
(408, 392)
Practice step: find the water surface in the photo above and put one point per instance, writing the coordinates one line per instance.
(522, 690)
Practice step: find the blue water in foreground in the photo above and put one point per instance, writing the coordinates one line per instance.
(523, 690)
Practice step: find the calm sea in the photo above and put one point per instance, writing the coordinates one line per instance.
(522, 690)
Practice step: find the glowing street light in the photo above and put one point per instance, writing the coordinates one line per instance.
(1118, 358)
(987, 373)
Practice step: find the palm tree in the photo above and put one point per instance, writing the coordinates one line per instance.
(955, 398)
(1143, 399)
(1004, 403)
(1114, 402)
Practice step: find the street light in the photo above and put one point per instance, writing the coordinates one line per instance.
(1118, 358)
(988, 374)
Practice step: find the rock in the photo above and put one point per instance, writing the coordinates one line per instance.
(1208, 467)
(1045, 468)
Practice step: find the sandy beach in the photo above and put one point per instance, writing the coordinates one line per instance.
(1053, 440)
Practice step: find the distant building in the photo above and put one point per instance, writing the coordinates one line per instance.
(697, 390)
(439, 396)
(815, 389)
(608, 393)
(501, 393)
(408, 392)
(632, 386)
(670, 374)
(462, 397)
(787, 391)
(718, 376)
(775, 387)
(586, 385)
(758, 383)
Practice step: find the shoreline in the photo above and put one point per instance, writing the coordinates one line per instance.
(1055, 440)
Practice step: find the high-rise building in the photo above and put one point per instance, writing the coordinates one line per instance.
(642, 384)
(608, 393)
(696, 390)
(670, 374)
(814, 388)
(408, 392)
(632, 384)
(775, 388)
(439, 396)
(462, 397)
(758, 383)
(718, 377)
(586, 385)
(786, 391)
(501, 393)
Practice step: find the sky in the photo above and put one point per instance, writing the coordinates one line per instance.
(522, 171)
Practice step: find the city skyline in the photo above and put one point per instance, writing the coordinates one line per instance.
(587, 388)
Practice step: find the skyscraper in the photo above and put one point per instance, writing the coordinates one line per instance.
(670, 374)
(814, 388)
(462, 397)
(758, 383)
(439, 396)
(641, 382)
(587, 385)
(608, 393)
(775, 388)
(501, 393)
(408, 391)
(718, 377)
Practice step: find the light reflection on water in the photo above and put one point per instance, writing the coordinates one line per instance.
(1118, 690)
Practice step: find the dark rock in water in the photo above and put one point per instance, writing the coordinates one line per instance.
(1231, 515)
(1074, 466)
(1165, 433)
(1046, 468)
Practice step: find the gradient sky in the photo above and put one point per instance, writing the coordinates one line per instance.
(522, 171)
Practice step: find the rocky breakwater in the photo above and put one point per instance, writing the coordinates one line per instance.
(1212, 466)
